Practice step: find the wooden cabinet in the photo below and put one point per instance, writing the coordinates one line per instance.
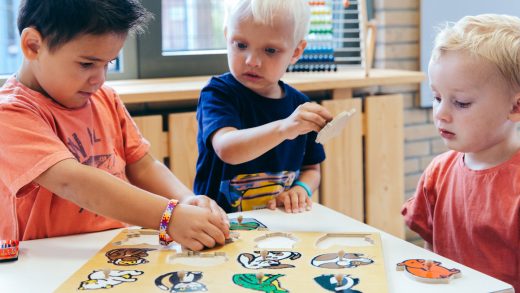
(363, 174)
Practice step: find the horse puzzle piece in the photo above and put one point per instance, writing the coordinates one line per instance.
(334, 127)
(428, 271)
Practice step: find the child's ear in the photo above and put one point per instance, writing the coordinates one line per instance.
(514, 115)
(31, 42)
(298, 51)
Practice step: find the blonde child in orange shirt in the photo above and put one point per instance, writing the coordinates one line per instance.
(467, 203)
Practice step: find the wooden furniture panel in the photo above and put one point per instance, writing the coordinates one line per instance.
(384, 163)
(342, 170)
(182, 137)
(152, 129)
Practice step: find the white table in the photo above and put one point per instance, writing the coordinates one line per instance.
(44, 264)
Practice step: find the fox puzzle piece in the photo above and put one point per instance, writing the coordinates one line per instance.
(428, 271)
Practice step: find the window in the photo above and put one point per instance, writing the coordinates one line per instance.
(188, 32)
(183, 33)
(204, 33)
(10, 53)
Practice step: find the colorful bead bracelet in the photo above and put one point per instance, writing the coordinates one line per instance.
(164, 238)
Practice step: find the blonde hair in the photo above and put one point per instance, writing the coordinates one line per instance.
(265, 12)
(493, 37)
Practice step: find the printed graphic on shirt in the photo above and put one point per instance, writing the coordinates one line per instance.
(253, 191)
(105, 162)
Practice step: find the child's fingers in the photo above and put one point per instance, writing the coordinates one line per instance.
(219, 212)
(318, 110)
(271, 204)
(302, 200)
(314, 121)
(194, 245)
(308, 201)
(294, 201)
(216, 230)
(287, 204)
(205, 240)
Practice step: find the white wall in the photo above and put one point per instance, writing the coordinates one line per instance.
(437, 12)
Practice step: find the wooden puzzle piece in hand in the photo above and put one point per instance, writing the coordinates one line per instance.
(428, 271)
(334, 127)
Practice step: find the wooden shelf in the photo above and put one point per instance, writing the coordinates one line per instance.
(187, 89)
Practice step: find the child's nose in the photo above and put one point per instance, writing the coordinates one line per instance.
(98, 77)
(253, 60)
(441, 111)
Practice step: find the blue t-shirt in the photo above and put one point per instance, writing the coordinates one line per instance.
(224, 102)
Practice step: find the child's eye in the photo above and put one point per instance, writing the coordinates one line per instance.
(270, 50)
(436, 99)
(86, 64)
(461, 104)
(240, 45)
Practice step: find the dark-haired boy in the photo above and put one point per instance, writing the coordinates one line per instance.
(73, 161)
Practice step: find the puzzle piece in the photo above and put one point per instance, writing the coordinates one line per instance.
(334, 127)
(428, 271)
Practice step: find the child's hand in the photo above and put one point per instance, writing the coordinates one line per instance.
(295, 200)
(196, 228)
(306, 118)
(206, 202)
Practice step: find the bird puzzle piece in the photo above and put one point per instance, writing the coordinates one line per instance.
(334, 127)
(428, 271)
(260, 282)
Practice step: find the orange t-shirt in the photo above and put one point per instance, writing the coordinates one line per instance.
(35, 134)
(470, 216)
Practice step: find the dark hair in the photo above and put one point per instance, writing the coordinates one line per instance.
(60, 21)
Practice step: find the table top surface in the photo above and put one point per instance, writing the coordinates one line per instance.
(46, 263)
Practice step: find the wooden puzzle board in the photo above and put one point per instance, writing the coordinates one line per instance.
(149, 268)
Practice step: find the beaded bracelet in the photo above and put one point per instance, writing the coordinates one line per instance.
(164, 238)
(304, 186)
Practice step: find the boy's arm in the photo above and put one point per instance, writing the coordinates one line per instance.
(149, 174)
(238, 146)
(107, 195)
(310, 175)
(153, 176)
